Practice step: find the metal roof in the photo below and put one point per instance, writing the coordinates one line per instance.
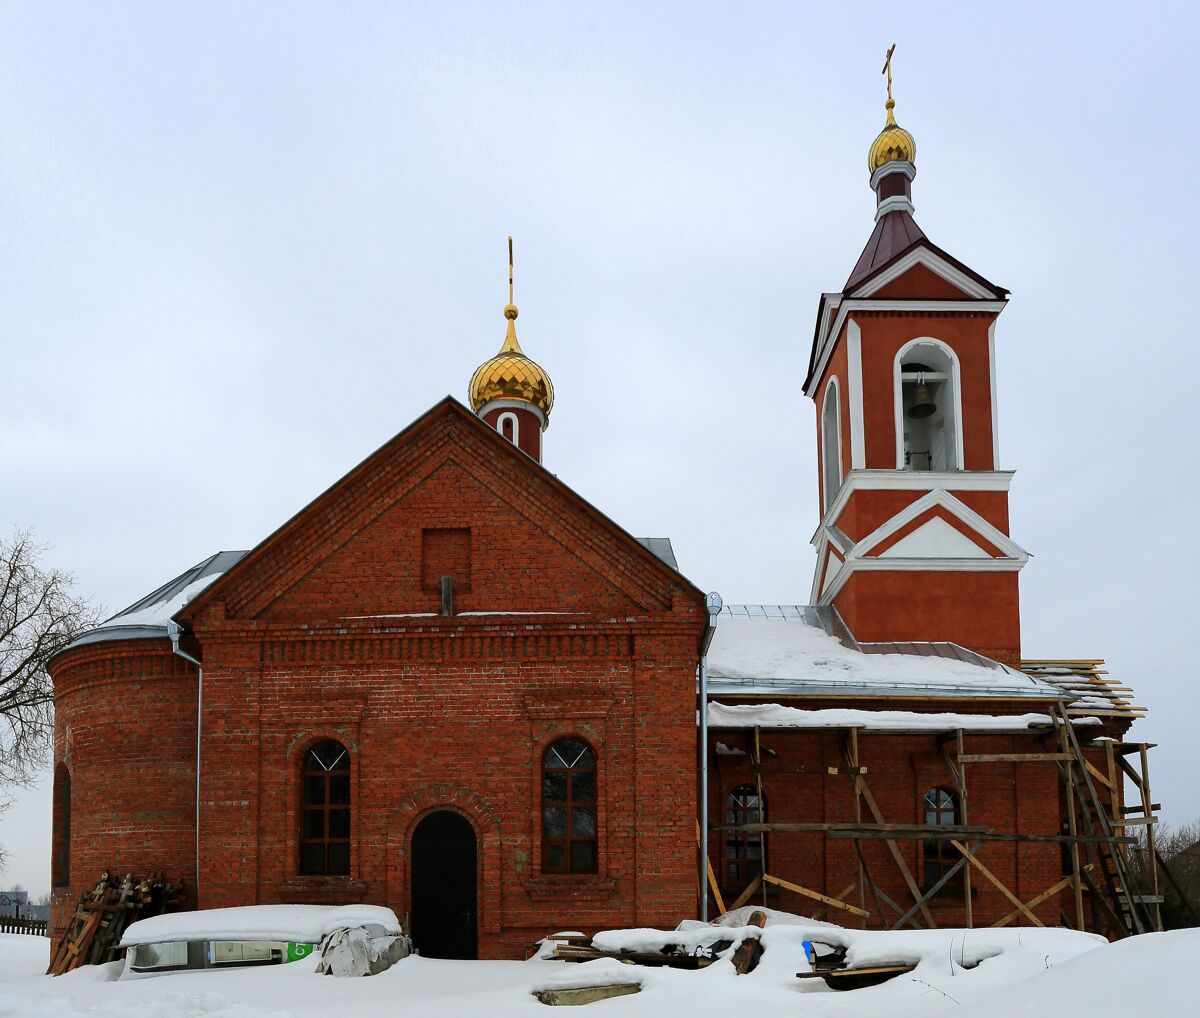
(661, 547)
(139, 621)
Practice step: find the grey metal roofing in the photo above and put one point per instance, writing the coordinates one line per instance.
(140, 621)
(661, 547)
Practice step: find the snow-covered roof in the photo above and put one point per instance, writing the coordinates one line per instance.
(148, 617)
(799, 650)
(774, 715)
(297, 924)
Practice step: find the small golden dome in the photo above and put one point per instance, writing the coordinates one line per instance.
(894, 143)
(511, 375)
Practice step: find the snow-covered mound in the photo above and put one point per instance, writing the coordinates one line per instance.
(297, 924)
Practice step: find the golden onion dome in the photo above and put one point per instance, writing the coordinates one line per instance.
(894, 144)
(511, 375)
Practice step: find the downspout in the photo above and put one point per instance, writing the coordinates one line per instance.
(173, 631)
(713, 604)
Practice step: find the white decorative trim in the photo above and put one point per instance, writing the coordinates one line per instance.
(508, 415)
(893, 166)
(992, 381)
(936, 264)
(511, 404)
(898, 400)
(828, 495)
(829, 337)
(916, 565)
(935, 538)
(822, 553)
(877, 479)
(986, 530)
(896, 203)
(854, 390)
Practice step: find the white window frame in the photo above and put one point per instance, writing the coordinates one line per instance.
(832, 391)
(955, 381)
(508, 415)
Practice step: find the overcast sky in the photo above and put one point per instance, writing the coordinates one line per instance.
(243, 245)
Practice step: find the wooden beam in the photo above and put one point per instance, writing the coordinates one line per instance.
(928, 895)
(1099, 776)
(997, 882)
(1013, 757)
(816, 895)
(1050, 892)
(744, 897)
(887, 830)
(712, 877)
(840, 896)
(962, 791)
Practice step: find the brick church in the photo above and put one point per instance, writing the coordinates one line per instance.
(452, 685)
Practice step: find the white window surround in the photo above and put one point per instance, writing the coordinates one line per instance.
(509, 417)
(831, 433)
(956, 460)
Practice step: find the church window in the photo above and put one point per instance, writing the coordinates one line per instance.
(940, 809)
(510, 427)
(928, 408)
(60, 861)
(831, 444)
(569, 808)
(325, 810)
(745, 852)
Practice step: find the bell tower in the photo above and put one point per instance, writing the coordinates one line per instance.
(914, 540)
(510, 391)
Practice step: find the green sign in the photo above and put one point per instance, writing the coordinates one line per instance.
(295, 952)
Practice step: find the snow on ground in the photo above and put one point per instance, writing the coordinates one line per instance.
(981, 973)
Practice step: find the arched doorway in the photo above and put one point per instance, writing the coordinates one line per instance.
(443, 887)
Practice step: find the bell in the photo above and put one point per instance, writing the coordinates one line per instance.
(922, 405)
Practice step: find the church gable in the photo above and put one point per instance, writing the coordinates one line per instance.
(446, 497)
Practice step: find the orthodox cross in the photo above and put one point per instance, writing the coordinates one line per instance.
(887, 69)
(510, 271)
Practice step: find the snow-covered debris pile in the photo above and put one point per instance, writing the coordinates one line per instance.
(355, 952)
(298, 924)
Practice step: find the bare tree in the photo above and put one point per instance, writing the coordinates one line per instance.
(1179, 848)
(39, 616)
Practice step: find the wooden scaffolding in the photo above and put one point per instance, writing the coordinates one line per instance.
(1101, 891)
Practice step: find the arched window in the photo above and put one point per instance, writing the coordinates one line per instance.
(60, 860)
(569, 808)
(325, 810)
(745, 853)
(510, 427)
(940, 809)
(831, 444)
(928, 407)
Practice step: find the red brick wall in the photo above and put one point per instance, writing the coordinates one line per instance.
(125, 729)
(977, 610)
(309, 639)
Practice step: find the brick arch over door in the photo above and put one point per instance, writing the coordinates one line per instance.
(478, 814)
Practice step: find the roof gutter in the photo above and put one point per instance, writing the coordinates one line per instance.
(713, 603)
(174, 631)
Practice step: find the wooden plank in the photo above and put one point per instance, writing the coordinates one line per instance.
(887, 830)
(1103, 779)
(712, 877)
(745, 896)
(999, 884)
(816, 895)
(928, 895)
(974, 758)
(1050, 892)
(1149, 821)
(586, 994)
(962, 792)
(747, 950)
(841, 895)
